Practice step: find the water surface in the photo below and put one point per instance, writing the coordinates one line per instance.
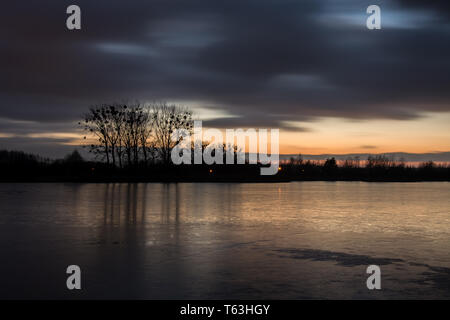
(300, 240)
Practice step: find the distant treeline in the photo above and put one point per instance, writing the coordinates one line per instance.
(375, 168)
(19, 166)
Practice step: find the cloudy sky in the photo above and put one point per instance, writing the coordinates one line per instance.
(308, 67)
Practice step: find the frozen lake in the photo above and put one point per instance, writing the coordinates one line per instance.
(300, 240)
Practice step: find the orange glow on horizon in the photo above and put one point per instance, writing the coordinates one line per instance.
(428, 134)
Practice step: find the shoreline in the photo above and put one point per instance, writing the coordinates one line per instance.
(138, 180)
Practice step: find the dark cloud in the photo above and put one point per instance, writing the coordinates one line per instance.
(245, 122)
(266, 62)
(25, 128)
(439, 6)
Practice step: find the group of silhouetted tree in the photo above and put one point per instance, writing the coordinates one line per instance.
(133, 134)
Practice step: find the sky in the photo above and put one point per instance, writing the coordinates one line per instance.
(310, 68)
